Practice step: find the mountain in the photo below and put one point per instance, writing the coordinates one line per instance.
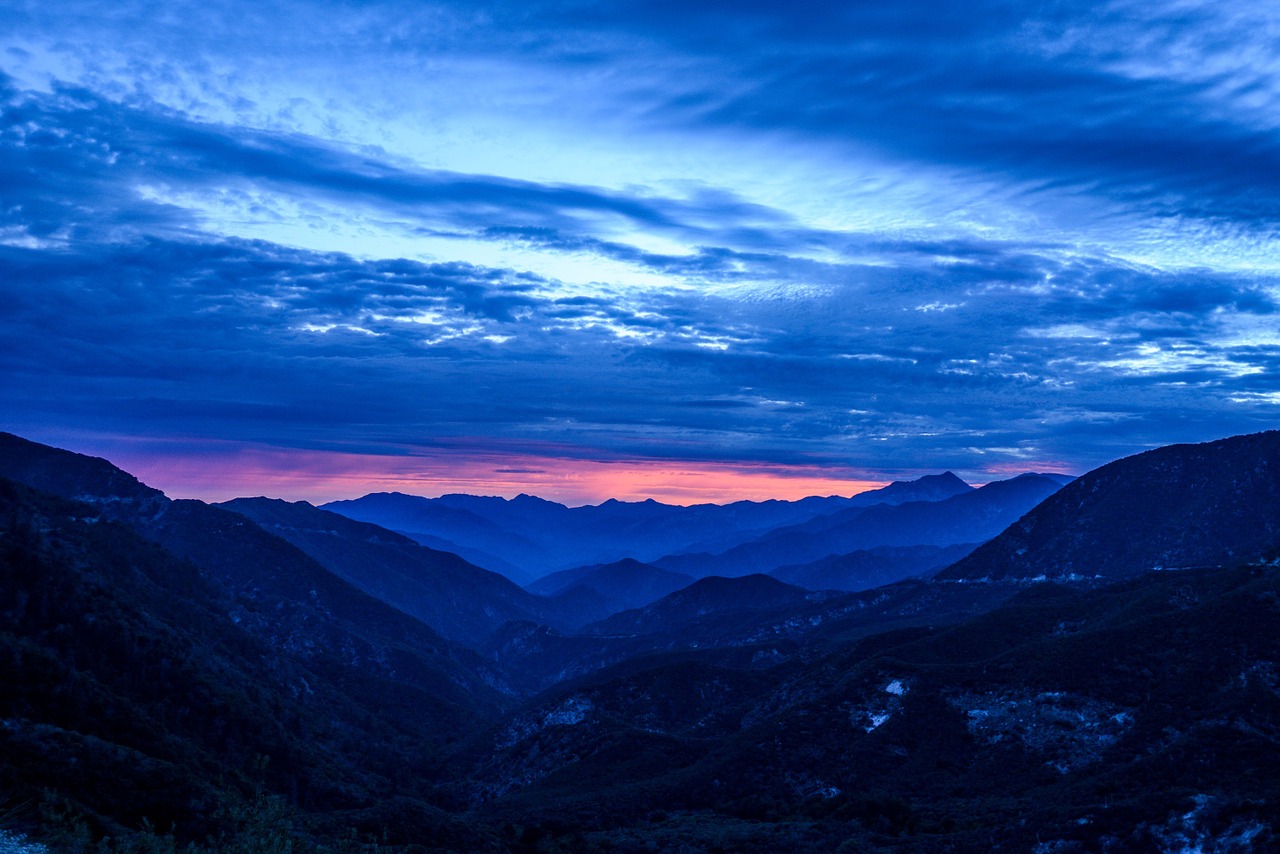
(281, 596)
(463, 602)
(968, 517)
(538, 537)
(138, 689)
(868, 568)
(622, 585)
(752, 631)
(1182, 505)
(435, 523)
(217, 673)
(931, 487)
(1038, 726)
(712, 596)
(475, 557)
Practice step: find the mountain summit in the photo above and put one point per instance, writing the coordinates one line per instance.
(1170, 508)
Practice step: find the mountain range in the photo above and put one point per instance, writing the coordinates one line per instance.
(461, 601)
(1001, 668)
(970, 516)
(623, 584)
(527, 537)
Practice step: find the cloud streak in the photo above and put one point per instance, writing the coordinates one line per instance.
(751, 240)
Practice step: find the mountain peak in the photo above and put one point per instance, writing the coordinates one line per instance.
(1176, 506)
(67, 473)
(531, 502)
(930, 487)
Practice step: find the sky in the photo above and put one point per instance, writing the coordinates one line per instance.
(693, 251)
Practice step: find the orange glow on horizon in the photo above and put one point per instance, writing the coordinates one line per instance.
(221, 471)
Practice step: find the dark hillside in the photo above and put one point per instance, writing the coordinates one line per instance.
(281, 595)
(1178, 506)
(463, 602)
(132, 693)
(1043, 722)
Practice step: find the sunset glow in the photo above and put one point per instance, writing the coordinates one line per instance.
(218, 472)
(688, 251)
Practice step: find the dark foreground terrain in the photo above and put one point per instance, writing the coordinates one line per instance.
(1101, 676)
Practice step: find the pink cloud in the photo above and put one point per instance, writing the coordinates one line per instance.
(220, 470)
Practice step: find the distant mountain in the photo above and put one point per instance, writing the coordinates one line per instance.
(969, 517)
(703, 598)
(475, 557)
(867, 568)
(931, 487)
(538, 537)
(1177, 506)
(623, 584)
(438, 524)
(463, 602)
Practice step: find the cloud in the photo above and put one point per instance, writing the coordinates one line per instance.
(853, 237)
(255, 342)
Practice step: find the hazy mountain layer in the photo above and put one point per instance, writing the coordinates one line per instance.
(867, 568)
(461, 601)
(538, 537)
(622, 585)
(970, 517)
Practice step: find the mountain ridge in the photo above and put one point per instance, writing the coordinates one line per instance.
(537, 536)
(1194, 504)
(465, 603)
(971, 516)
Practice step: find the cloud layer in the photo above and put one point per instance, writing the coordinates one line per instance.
(518, 242)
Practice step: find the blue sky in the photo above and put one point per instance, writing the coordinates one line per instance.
(691, 250)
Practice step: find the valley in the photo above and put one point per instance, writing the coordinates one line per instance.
(926, 667)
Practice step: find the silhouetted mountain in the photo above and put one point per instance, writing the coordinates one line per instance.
(74, 476)
(862, 570)
(151, 650)
(931, 487)
(538, 536)
(1177, 506)
(282, 597)
(969, 517)
(137, 688)
(1042, 723)
(463, 602)
(622, 585)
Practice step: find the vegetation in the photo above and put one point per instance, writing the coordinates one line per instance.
(237, 699)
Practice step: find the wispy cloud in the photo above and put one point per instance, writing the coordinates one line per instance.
(879, 240)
